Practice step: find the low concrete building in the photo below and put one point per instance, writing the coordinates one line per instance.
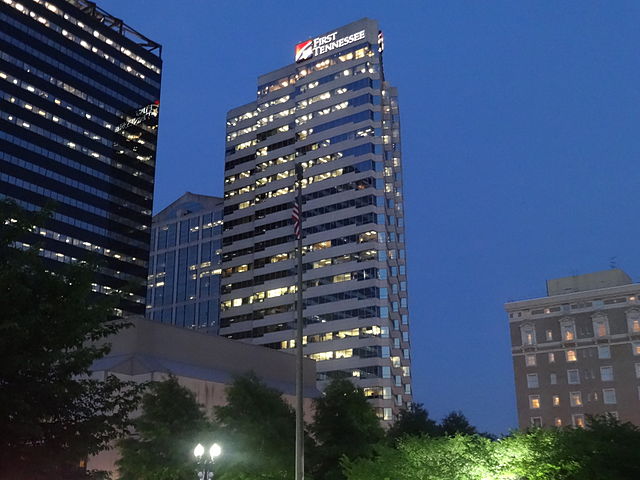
(576, 352)
(205, 364)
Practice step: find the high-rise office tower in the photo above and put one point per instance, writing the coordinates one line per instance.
(79, 94)
(183, 287)
(332, 112)
(576, 352)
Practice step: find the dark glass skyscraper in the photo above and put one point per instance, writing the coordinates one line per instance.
(79, 97)
(332, 112)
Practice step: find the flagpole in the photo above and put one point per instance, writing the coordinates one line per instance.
(299, 471)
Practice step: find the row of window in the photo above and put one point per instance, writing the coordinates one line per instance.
(82, 186)
(577, 420)
(360, 69)
(364, 68)
(360, 184)
(600, 325)
(359, 294)
(107, 252)
(571, 355)
(306, 182)
(32, 70)
(359, 202)
(187, 231)
(111, 234)
(75, 57)
(324, 159)
(84, 167)
(364, 312)
(360, 333)
(46, 133)
(76, 74)
(573, 376)
(358, 275)
(61, 257)
(575, 399)
(357, 52)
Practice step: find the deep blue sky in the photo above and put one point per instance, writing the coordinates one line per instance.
(520, 130)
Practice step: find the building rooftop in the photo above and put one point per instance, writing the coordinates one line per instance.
(117, 25)
(149, 347)
(589, 281)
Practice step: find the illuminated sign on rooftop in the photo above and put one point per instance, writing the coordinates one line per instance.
(325, 43)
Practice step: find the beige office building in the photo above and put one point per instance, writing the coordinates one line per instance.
(576, 352)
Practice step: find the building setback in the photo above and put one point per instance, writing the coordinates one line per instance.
(79, 93)
(576, 352)
(332, 112)
(183, 286)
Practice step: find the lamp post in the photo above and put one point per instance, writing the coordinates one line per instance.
(205, 465)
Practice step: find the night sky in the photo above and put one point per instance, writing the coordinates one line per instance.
(520, 130)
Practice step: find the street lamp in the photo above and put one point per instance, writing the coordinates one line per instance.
(205, 465)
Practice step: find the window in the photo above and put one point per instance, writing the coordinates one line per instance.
(536, 422)
(568, 329)
(553, 379)
(633, 321)
(530, 360)
(606, 374)
(549, 335)
(557, 422)
(532, 380)
(636, 348)
(609, 396)
(575, 399)
(600, 326)
(387, 414)
(534, 401)
(528, 335)
(604, 351)
(552, 357)
(577, 419)
(573, 377)
(556, 400)
(571, 356)
(637, 370)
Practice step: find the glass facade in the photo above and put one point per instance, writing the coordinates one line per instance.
(183, 287)
(334, 114)
(79, 99)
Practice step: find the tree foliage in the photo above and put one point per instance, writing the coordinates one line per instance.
(413, 421)
(257, 428)
(345, 424)
(170, 426)
(455, 423)
(605, 450)
(51, 414)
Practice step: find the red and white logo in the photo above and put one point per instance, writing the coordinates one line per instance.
(304, 51)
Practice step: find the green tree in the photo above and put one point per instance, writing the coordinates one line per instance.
(456, 423)
(257, 431)
(461, 457)
(413, 421)
(52, 415)
(170, 426)
(606, 449)
(344, 424)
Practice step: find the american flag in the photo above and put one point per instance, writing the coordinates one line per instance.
(295, 215)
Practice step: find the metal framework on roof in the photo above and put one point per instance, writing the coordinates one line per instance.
(116, 24)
